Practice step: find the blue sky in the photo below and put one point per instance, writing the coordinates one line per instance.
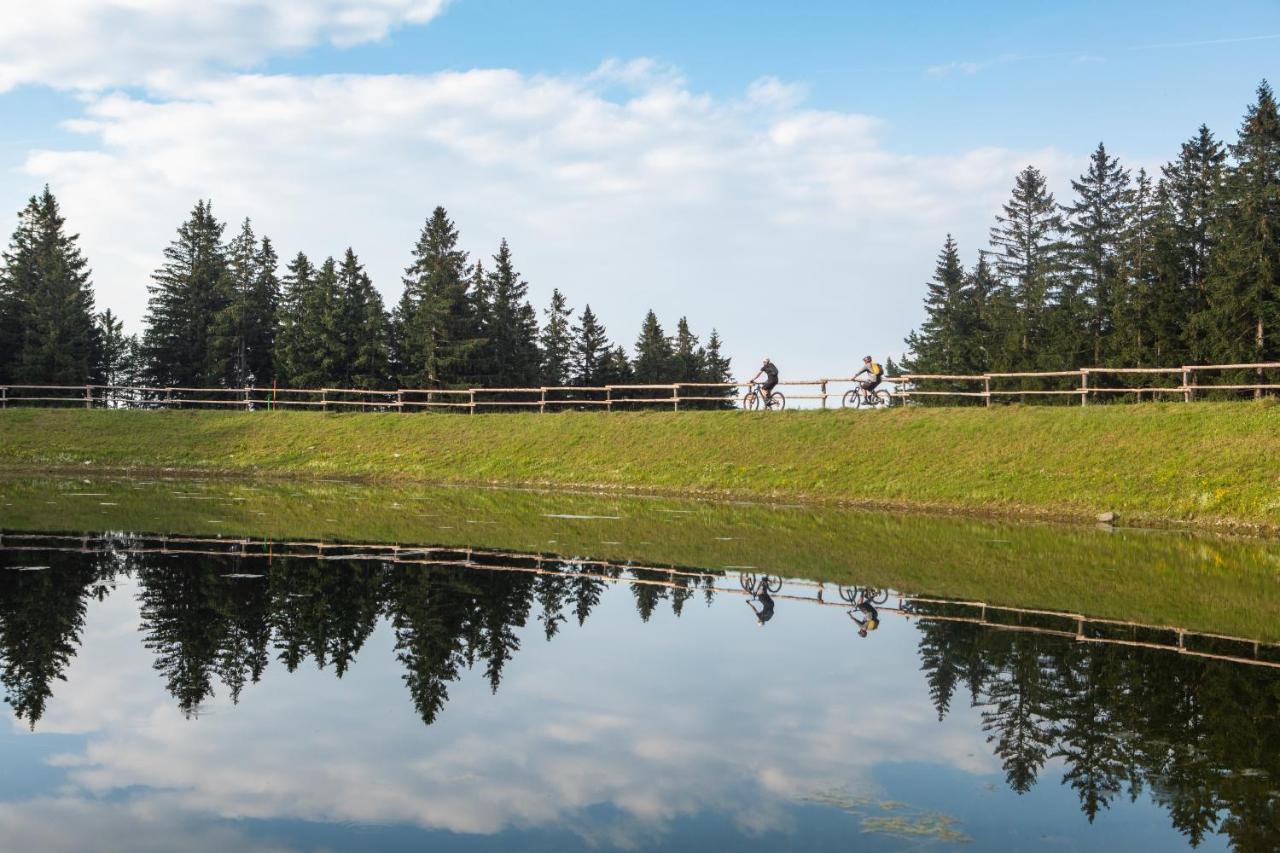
(639, 155)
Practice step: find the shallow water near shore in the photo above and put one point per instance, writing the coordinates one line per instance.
(214, 665)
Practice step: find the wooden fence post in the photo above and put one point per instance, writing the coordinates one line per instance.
(4, 397)
(248, 398)
(824, 393)
(986, 389)
(1084, 386)
(675, 398)
(542, 402)
(324, 400)
(472, 398)
(88, 396)
(608, 398)
(1186, 385)
(400, 401)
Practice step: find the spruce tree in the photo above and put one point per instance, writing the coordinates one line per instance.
(363, 327)
(1095, 227)
(512, 330)
(243, 334)
(557, 342)
(1026, 254)
(293, 338)
(119, 351)
(435, 329)
(687, 356)
(1244, 270)
(590, 350)
(717, 368)
(947, 336)
(654, 355)
(187, 295)
(48, 325)
(312, 352)
(617, 368)
(1194, 186)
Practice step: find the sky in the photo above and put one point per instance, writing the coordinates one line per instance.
(784, 173)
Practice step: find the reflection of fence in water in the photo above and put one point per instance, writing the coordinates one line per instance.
(1185, 382)
(1071, 626)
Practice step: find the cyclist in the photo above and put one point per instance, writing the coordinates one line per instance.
(769, 371)
(874, 373)
(871, 620)
(761, 594)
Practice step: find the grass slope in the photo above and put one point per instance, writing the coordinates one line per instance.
(1212, 463)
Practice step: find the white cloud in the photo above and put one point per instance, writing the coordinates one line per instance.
(93, 44)
(624, 187)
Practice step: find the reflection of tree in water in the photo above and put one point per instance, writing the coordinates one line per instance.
(41, 615)
(325, 610)
(1202, 735)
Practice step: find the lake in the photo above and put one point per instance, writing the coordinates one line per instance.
(214, 665)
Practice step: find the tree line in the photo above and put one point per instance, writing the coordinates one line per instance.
(222, 314)
(1135, 270)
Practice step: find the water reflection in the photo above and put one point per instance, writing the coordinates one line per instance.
(1198, 736)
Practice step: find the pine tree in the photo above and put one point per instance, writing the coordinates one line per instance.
(1193, 184)
(947, 336)
(590, 350)
(687, 357)
(1026, 251)
(47, 323)
(243, 334)
(654, 354)
(187, 295)
(435, 329)
(617, 368)
(1096, 228)
(1244, 270)
(364, 329)
(291, 341)
(717, 368)
(512, 330)
(119, 351)
(557, 342)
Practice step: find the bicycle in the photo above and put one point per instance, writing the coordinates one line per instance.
(857, 398)
(860, 594)
(753, 399)
(766, 583)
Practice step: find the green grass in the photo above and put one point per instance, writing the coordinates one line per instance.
(1205, 463)
(1228, 585)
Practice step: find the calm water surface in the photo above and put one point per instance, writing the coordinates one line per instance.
(169, 689)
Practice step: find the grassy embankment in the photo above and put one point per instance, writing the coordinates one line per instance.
(1207, 463)
(1215, 584)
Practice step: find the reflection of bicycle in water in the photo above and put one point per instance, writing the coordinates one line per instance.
(863, 601)
(761, 590)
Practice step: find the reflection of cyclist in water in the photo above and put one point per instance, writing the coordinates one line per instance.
(870, 620)
(761, 594)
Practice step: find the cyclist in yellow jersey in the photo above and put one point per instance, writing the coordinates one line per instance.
(874, 373)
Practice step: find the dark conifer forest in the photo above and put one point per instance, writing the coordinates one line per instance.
(1134, 270)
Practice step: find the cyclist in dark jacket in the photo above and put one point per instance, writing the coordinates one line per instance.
(769, 370)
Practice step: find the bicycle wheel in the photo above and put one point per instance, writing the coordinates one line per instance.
(748, 583)
(849, 594)
(751, 401)
(875, 596)
(852, 399)
(776, 402)
(884, 398)
(772, 584)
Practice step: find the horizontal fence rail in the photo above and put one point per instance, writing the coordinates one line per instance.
(1188, 383)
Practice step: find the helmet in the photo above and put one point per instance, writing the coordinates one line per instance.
(766, 359)
(866, 358)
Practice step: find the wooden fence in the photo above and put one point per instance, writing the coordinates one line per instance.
(1187, 383)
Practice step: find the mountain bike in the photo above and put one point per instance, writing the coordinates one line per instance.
(755, 398)
(855, 595)
(860, 398)
(753, 587)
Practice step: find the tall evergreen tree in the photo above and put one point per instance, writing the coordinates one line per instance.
(654, 354)
(1193, 185)
(617, 368)
(1244, 270)
(119, 351)
(435, 329)
(363, 327)
(687, 357)
(292, 338)
(718, 368)
(948, 334)
(1026, 252)
(590, 350)
(557, 342)
(243, 335)
(47, 325)
(187, 295)
(1095, 225)
(511, 333)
